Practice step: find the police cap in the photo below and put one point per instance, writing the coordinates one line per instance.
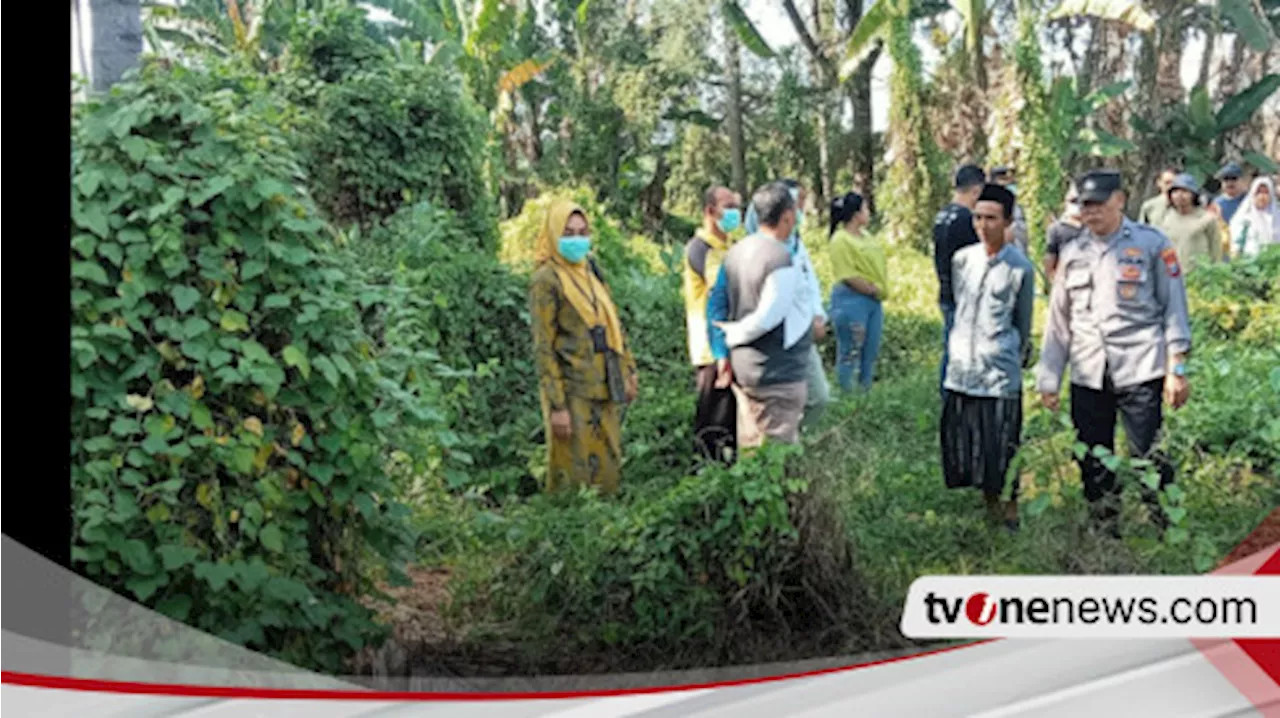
(1230, 170)
(1098, 185)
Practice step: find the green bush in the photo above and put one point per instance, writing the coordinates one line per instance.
(388, 134)
(693, 571)
(229, 415)
(470, 312)
(1235, 361)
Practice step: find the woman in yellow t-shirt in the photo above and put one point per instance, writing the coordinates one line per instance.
(859, 268)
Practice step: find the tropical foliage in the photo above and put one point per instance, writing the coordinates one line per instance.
(300, 257)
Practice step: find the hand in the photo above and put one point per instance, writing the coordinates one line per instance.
(875, 291)
(1176, 390)
(724, 374)
(561, 424)
(819, 329)
(633, 387)
(1049, 399)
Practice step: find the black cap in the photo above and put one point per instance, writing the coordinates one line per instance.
(999, 193)
(1230, 170)
(969, 176)
(1098, 185)
(1000, 170)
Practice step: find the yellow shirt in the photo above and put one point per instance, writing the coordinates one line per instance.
(703, 256)
(861, 256)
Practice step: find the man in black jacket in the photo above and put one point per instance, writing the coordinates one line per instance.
(953, 229)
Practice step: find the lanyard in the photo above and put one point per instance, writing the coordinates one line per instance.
(595, 310)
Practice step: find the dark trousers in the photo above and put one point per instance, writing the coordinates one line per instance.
(1094, 414)
(715, 420)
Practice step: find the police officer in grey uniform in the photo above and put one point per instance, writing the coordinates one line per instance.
(1118, 316)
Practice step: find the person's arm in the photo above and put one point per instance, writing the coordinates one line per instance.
(777, 297)
(1171, 296)
(815, 287)
(862, 286)
(1022, 313)
(961, 235)
(697, 257)
(1056, 345)
(941, 258)
(543, 305)
(1215, 239)
(718, 311)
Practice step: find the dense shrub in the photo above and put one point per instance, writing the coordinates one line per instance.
(1235, 362)
(1237, 301)
(229, 415)
(471, 313)
(694, 572)
(387, 134)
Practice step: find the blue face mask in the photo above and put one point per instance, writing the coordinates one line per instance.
(574, 248)
(730, 220)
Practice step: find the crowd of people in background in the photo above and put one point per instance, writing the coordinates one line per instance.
(755, 315)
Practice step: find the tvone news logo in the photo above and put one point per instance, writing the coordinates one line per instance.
(982, 609)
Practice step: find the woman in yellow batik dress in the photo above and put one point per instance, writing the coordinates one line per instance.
(586, 373)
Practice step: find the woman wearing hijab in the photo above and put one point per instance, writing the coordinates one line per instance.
(1257, 223)
(586, 373)
(859, 266)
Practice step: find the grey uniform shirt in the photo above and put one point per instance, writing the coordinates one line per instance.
(1118, 307)
(995, 298)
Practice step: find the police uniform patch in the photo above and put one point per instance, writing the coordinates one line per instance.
(1132, 252)
(1128, 291)
(1131, 272)
(1170, 257)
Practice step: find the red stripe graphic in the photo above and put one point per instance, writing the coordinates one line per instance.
(164, 689)
(1252, 665)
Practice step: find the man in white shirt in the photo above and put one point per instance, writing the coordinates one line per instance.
(819, 390)
(761, 323)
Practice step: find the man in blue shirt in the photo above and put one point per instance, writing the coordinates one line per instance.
(1233, 191)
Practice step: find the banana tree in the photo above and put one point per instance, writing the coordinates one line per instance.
(746, 31)
(1256, 22)
(255, 30)
(874, 26)
(481, 38)
(1070, 114)
(1197, 134)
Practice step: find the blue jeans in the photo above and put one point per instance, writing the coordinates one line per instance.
(859, 324)
(948, 321)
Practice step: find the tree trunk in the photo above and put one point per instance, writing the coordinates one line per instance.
(534, 149)
(737, 141)
(1092, 55)
(977, 56)
(862, 157)
(1229, 73)
(116, 29)
(1230, 82)
(1206, 60)
(824, 150)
